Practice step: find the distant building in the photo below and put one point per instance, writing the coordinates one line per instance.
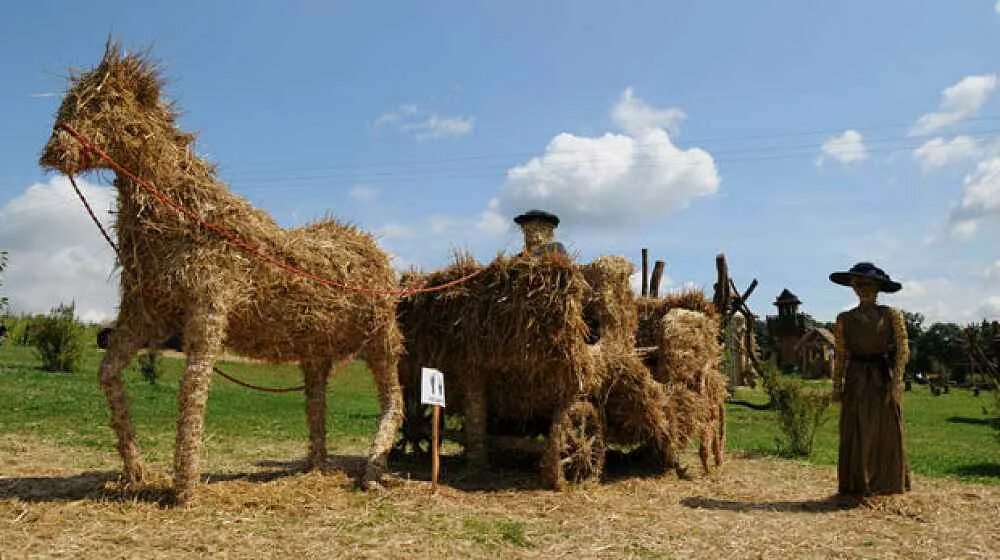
(786, 329)
(814, 353)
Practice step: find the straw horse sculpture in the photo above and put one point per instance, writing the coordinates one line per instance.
(177, 276)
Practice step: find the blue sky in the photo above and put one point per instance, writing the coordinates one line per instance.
(691, 128)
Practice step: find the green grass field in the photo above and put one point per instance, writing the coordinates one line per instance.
(952, 435)
(948, 436)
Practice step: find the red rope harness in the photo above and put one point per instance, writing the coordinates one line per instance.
(259, 387)
(90, 211)
(233, 239)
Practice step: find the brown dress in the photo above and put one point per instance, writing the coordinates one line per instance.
(872, 352)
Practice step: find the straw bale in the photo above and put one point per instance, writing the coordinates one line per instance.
(688, 366)
(610, 309)
(179, 277)
(651, 311)
(518, 327)
(689, 347)
(635, 405)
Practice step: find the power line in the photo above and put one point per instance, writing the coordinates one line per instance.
(684, 159)
(687, 141)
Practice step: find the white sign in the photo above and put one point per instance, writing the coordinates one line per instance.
(431, 386)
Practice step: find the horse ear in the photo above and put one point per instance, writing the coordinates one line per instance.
(112, 51)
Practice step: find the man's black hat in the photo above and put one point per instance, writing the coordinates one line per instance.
(869, 271)
(537, 215)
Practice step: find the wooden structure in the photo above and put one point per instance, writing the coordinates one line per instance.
(814, 353)
(786, 328)
(737, 320)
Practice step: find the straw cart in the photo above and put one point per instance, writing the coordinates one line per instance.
(538, 355)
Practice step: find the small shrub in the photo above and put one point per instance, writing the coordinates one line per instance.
(801, 411)
(17, 328)
(59, 339)
(149, 366)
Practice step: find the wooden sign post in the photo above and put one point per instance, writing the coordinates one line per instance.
(432, 393)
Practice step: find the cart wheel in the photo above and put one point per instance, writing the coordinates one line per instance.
(575, 451)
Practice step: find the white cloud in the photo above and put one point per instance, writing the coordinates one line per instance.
(424, 125)
(633, 115)
(400, 113)
(492, 221)
(847, 148)
(990, 310)
(364, 193)
(997, 7)
(992, 272)
(958, 102)
(610, 180)
(980, 199)
(435, 126)
(939, 152)
(635, 282)
(951, 299)
(56, 253)
(393, 230)
(440, 224)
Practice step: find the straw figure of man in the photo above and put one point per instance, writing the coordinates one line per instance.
(178, 277)
(871, 355)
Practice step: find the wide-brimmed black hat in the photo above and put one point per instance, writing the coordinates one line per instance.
(869, 271)
(537, 216)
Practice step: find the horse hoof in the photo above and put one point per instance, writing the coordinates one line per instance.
(316, 465)
(182, 498)
(132, 478)
(372, 480)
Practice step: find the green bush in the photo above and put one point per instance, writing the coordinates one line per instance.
(149, 366)
(801, 411)
(20, 330)
(59, 340)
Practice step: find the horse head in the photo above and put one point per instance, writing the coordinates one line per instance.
(117, 107)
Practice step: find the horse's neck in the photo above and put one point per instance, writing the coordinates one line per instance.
(188, 179)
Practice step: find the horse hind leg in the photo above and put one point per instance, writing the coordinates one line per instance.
(382, 356)
(123, 346)
(316, 374)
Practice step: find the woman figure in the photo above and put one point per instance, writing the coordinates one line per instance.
(871, 355)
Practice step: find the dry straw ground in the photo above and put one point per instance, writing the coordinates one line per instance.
(60, 502)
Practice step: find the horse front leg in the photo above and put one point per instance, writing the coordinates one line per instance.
(122, 347)
(204, 333)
